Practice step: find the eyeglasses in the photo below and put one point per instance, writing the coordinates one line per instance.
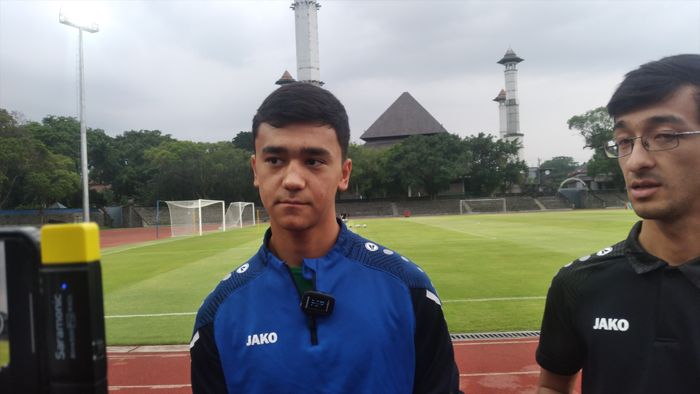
(663, 140)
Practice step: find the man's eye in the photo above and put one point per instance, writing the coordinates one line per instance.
(664, 137)
(624, 142)
(313, 162)
(273, 160)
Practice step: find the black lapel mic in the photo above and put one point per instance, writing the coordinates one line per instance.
(315, 303)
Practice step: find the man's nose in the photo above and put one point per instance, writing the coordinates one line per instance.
(639, 159)
(294, 177)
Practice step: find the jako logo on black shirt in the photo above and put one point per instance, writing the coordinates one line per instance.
(262, 339)
(608, 324)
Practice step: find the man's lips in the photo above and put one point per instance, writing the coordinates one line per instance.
(643, 188)
(291, 202)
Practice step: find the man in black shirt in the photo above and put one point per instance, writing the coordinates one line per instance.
(629, 315)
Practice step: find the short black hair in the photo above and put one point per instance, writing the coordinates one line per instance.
(304, 103)
(654, 82)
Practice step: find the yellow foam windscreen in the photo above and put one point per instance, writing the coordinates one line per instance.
(70, 243)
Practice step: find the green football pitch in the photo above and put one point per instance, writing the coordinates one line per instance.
(491, 271)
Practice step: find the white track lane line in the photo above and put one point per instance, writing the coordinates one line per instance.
(467, 375)
(471, 343)
(152, 387)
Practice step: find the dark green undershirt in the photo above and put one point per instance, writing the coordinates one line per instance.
(302, 283)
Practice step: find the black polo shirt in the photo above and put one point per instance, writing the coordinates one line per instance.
(631, 321)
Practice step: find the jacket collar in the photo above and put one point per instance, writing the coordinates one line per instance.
(643, 262)
(342, 245)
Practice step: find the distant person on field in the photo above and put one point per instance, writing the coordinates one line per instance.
(629, 315)
(318, 309)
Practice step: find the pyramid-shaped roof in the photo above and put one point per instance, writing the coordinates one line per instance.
(404, 118)
(285, 78)
(510, 57)
(501, 96)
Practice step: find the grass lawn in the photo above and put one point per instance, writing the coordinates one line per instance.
(491, 271)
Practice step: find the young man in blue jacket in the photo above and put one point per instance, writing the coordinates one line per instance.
(318, 309)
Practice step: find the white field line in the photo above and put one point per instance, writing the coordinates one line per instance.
(151, 315)
(475, 235)
(444, 301)
(495, 299)
(122, 248)
(462, 375)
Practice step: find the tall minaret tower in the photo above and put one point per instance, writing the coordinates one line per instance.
(306, 26)
(502, 118)
(512, 131)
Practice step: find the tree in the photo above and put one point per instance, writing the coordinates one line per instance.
(103, 162)
(133, 170)
(60, 134)
(16, 155)
(559, 168)
(54, 180)
(30, 174)
(369, 175)
(493, 165)
(229, 175)
(8, 123)
(430, 163)
(244, 140)
(184, 170)
(596, 128)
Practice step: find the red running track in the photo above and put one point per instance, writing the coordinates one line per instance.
(486, 367)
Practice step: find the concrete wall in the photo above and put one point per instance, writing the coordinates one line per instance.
(33, 217)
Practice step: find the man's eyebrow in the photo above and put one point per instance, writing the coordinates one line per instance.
(665, 119)
(654, 121)
(275, 150)
(314, 151)
(308, 151)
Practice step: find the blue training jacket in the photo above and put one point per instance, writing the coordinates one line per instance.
(386, 334)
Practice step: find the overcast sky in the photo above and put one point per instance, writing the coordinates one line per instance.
(198, 69)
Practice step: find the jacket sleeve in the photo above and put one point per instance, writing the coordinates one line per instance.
(206, 371)
(436, 370)
(560, 350)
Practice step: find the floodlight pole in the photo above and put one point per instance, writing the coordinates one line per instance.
(83, 129)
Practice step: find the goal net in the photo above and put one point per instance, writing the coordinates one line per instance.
(190, 217)
(240, 214)
(482, 205)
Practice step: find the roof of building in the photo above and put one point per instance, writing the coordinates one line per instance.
(285, 78)
(403, 118)
(501, 96)
(510, 57)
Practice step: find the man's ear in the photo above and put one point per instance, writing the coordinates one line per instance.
(255, 174)
(346, 169)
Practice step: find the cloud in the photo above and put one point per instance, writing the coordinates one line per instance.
(198, 70)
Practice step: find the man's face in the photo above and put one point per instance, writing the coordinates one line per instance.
(663, 185)
(298, 169)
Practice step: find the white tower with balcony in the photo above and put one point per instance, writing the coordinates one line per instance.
(306, 26)
(511, 103)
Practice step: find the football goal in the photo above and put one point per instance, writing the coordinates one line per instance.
(240, 214)
(190, 217)
(482, 205)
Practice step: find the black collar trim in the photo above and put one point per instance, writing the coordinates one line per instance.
(643, 262)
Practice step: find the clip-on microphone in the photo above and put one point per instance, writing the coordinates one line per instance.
(315, 303)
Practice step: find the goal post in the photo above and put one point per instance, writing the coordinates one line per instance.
(482, 205)
(240, 214)
(190, 217)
